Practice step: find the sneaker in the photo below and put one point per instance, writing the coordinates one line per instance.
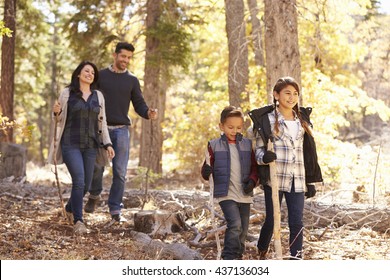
(115, 219)
(91, 205)
(80, 228)
(119, 218)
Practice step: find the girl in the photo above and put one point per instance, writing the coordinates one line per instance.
(81, 125)
(289, 128)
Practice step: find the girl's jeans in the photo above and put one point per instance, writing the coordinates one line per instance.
(295, 204)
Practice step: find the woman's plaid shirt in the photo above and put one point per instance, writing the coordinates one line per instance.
(289, 153)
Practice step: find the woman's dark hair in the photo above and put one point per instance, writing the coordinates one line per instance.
(280, 84)
(74, 86)
(231, 111)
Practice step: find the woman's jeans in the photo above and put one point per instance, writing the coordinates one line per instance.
(120, 138)
(80, 164)
(237, 218)
(295, 204)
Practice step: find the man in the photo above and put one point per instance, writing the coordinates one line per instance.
(119, 87)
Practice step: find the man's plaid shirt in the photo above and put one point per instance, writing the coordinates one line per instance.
(289, 153)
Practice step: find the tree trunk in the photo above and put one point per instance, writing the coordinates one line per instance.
(256, 33)
(238, 52)
(281, 42)
(8, 67)
(151, 137)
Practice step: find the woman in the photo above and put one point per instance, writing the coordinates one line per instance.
(81, 130)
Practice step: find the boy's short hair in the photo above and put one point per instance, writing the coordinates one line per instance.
(231, 111)
(124, 46)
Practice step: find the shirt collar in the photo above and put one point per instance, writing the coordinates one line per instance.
(111, 68)
(281, 118)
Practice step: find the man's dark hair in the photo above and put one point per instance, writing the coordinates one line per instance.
(231, 111)
(124, 46)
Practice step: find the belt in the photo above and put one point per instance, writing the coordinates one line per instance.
(115, 126)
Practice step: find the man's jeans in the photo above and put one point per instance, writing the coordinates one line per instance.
(295, 204)
(237, 218)
(80, 164)
(120, 138)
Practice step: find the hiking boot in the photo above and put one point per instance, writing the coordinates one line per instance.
(115, 219)
(119, 218)
(262, 254)
(91, 204)
(80, 228)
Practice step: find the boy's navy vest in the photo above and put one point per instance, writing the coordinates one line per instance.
(221, 167)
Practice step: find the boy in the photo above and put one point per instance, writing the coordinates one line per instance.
(233, 167)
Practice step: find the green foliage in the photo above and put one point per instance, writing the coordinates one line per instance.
(337, 42)
(94, 26)
(4, 31)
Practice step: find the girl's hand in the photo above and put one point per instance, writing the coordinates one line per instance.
(269, 157)
(110, 152)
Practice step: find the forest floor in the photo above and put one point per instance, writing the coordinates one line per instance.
(32, 226)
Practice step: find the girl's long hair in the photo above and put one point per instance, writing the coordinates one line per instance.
(278, 87)
(74, 86)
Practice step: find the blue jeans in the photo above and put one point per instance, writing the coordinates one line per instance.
(237, 218)
(295, 204)
(120, 138)
(80, 164)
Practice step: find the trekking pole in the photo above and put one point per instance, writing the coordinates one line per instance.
(147, 174)
(211, 202)
(56, 171)
(275, 203)
(376, 169)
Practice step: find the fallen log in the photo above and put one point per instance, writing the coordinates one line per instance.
(176, 251)
(320, 215)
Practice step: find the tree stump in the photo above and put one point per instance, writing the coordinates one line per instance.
(158, 222)
(13, 159)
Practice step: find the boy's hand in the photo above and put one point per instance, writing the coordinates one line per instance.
(249, 186)
(206, 171)
(269, 157)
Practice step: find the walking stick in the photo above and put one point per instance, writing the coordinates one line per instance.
(275, 203)
(211, 202)
(56, 172)
(376, 169)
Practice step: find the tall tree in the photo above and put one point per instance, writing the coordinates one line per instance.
(238, 51)
(8, 67)
(151, 137)
(167, 46)
(281, 42)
